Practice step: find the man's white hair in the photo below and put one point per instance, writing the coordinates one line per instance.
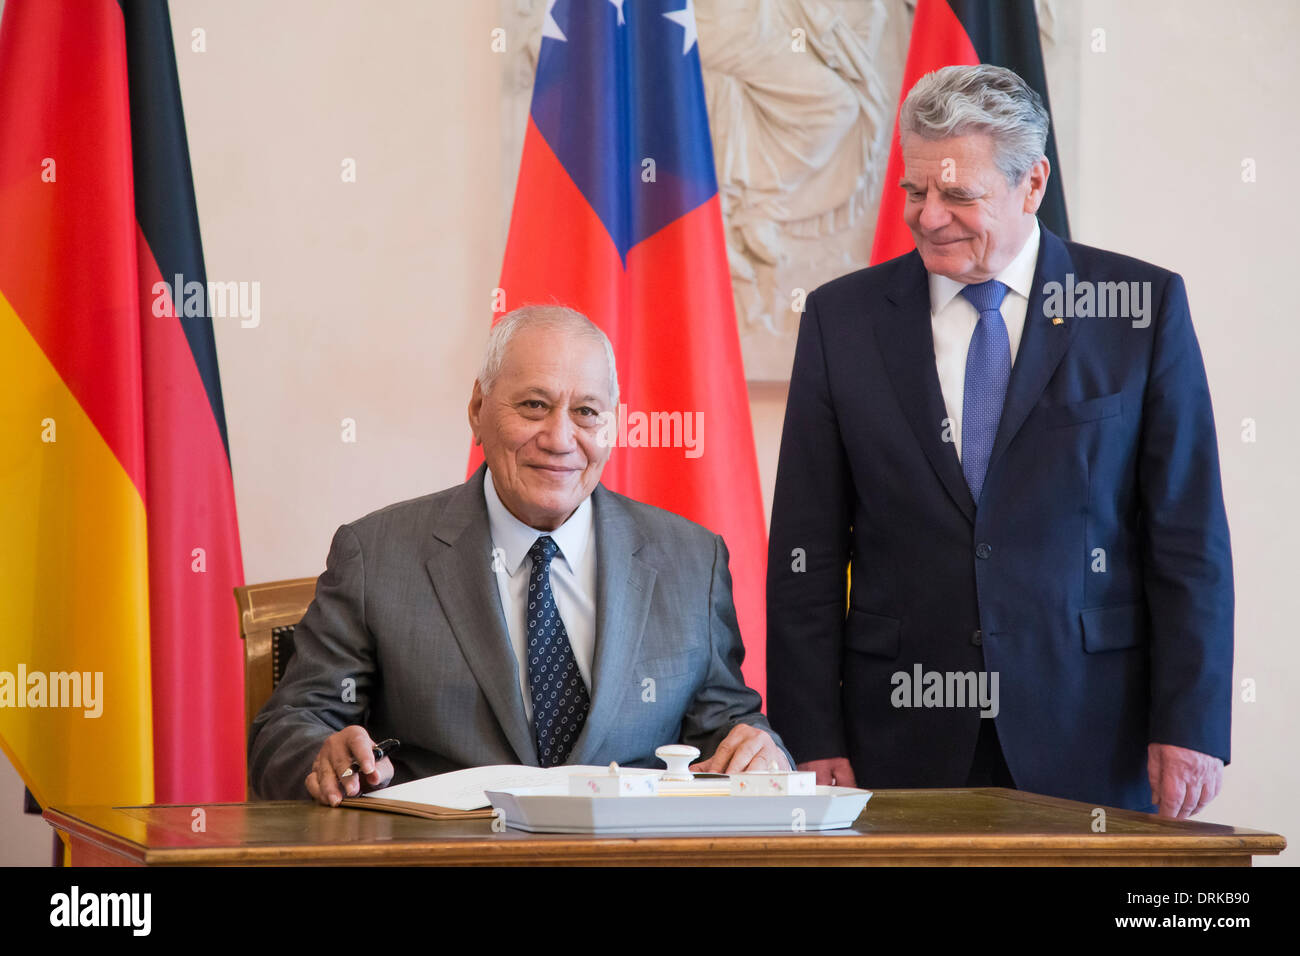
(553, 317)
(960, 100)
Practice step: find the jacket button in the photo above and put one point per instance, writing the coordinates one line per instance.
(983, 550)
(977, 638)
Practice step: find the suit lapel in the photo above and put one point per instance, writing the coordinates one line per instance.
(460, 570)
(1042, 345)
(906, 342)
(624, 584)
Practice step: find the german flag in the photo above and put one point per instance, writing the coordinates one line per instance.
(967, 33)
(120, 663)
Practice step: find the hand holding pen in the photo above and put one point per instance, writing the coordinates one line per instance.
(346, 759)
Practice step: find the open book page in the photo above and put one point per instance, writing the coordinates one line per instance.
(464, 789)
(425, 810)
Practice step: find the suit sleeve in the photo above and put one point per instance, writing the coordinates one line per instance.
(724, 699)
(808, 556)
(1187, 558)
(327, 683)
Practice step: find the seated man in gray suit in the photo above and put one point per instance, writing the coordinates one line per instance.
(528, 616)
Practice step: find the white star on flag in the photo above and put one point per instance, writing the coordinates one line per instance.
(686, 20)
(549, 27)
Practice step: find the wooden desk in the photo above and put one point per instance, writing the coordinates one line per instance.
(898, 828)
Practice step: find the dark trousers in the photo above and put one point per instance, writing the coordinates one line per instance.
(989, 769)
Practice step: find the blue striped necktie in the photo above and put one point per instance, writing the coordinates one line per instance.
(988, 369)
(560, 698)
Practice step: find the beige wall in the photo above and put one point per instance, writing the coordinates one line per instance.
(1164, 118)
(375, 295)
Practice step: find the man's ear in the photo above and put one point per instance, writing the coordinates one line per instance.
(1038, 175)
(475, 411)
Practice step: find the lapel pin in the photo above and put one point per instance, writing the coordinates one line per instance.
(1057, 320)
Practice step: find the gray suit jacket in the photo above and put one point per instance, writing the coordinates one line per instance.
(406, 637)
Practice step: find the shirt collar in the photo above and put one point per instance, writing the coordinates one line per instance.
(1017, 276)
(515, 538)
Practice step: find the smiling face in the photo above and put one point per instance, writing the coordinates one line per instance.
(541, 425)
(968, 224)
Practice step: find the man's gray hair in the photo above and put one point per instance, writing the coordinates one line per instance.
(959, 100)
(554, 317)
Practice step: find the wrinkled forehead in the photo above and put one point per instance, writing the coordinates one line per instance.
(952, 159)
(559, 362)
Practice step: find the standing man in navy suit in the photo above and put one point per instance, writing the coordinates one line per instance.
(1010, 438)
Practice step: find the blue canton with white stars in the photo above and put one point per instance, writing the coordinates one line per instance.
(560, 697)
(620, 100)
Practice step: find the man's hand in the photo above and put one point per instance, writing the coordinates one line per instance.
(336, 755)
(831, 772)
(745, 748)
(1183, 781)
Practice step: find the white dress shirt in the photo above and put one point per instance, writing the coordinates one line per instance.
(573, 581)
(953, 321)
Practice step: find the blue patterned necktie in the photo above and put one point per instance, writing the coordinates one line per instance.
(988, 368)
(560, 698)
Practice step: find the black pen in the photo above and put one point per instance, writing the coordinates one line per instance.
(381, 750)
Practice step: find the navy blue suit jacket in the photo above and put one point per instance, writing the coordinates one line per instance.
(1106, 442)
